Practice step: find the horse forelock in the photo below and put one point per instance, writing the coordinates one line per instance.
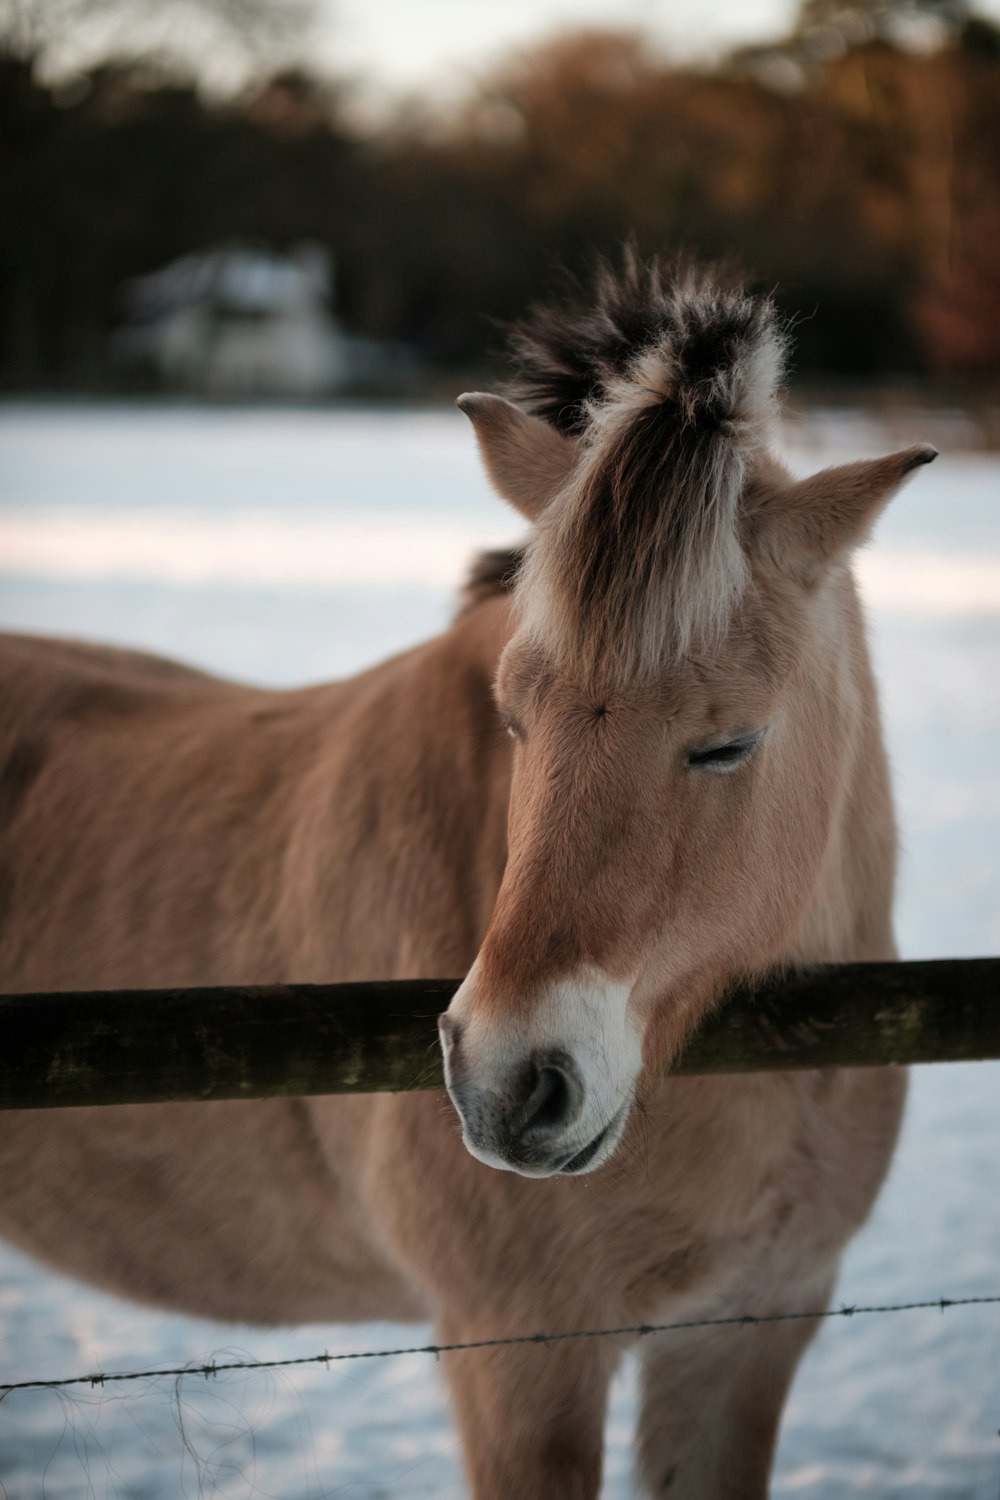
(640, 558)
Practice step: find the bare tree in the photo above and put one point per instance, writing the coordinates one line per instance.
(213, 38)
(857, 20)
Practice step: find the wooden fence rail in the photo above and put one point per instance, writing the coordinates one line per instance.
(159, 1046)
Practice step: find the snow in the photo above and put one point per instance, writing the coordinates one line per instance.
(286, 546)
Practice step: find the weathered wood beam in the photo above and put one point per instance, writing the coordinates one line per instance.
(160, 1046)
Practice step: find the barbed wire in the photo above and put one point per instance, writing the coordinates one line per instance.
(636, 1330)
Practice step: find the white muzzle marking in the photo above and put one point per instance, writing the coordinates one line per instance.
(585, 1019)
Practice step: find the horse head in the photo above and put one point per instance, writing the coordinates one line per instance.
(688, 693)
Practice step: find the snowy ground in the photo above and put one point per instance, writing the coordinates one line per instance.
(287, 546)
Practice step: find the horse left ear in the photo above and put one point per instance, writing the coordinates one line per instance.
(816, 520)
(528, 461)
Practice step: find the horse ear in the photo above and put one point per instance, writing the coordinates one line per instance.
(813, 521)
(528, 461)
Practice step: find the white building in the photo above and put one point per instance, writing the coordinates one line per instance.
(243, 321)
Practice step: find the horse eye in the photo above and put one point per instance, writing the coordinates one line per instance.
(512, 726)
(728, 756)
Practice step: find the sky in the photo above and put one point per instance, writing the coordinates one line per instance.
(411, 44)
(438, 49)
(420, 45)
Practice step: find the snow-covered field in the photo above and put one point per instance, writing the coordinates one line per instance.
(285, 546)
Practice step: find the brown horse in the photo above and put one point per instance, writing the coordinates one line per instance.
(693, 790)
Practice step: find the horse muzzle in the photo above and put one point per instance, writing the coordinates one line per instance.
(537, 1113)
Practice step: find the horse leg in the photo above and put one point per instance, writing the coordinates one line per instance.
(531, 1416)
(711, 1406)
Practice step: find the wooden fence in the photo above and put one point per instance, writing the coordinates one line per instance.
(156, 1046)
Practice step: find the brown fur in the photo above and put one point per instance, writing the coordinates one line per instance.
(163, 828)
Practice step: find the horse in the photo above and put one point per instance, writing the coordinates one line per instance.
(643, 763)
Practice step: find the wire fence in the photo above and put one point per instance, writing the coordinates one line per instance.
(635, 1330)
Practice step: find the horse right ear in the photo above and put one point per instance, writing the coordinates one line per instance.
(813, 521)
(527, 461)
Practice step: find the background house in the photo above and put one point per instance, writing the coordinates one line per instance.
(244, 320)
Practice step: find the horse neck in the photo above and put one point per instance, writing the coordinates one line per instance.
(411, 773)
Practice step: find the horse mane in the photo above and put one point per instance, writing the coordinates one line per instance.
(669, 377)
(490, 574)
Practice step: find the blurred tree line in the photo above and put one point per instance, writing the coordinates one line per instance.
(853, 166)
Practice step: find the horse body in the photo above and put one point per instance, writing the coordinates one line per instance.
(302, 862)
(690, 793)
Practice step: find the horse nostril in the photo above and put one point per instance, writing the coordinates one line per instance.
(449, 1030)
(553, 1101)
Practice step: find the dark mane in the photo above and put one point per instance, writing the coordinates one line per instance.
(564, 355)
(670, 381)
(490, 574)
